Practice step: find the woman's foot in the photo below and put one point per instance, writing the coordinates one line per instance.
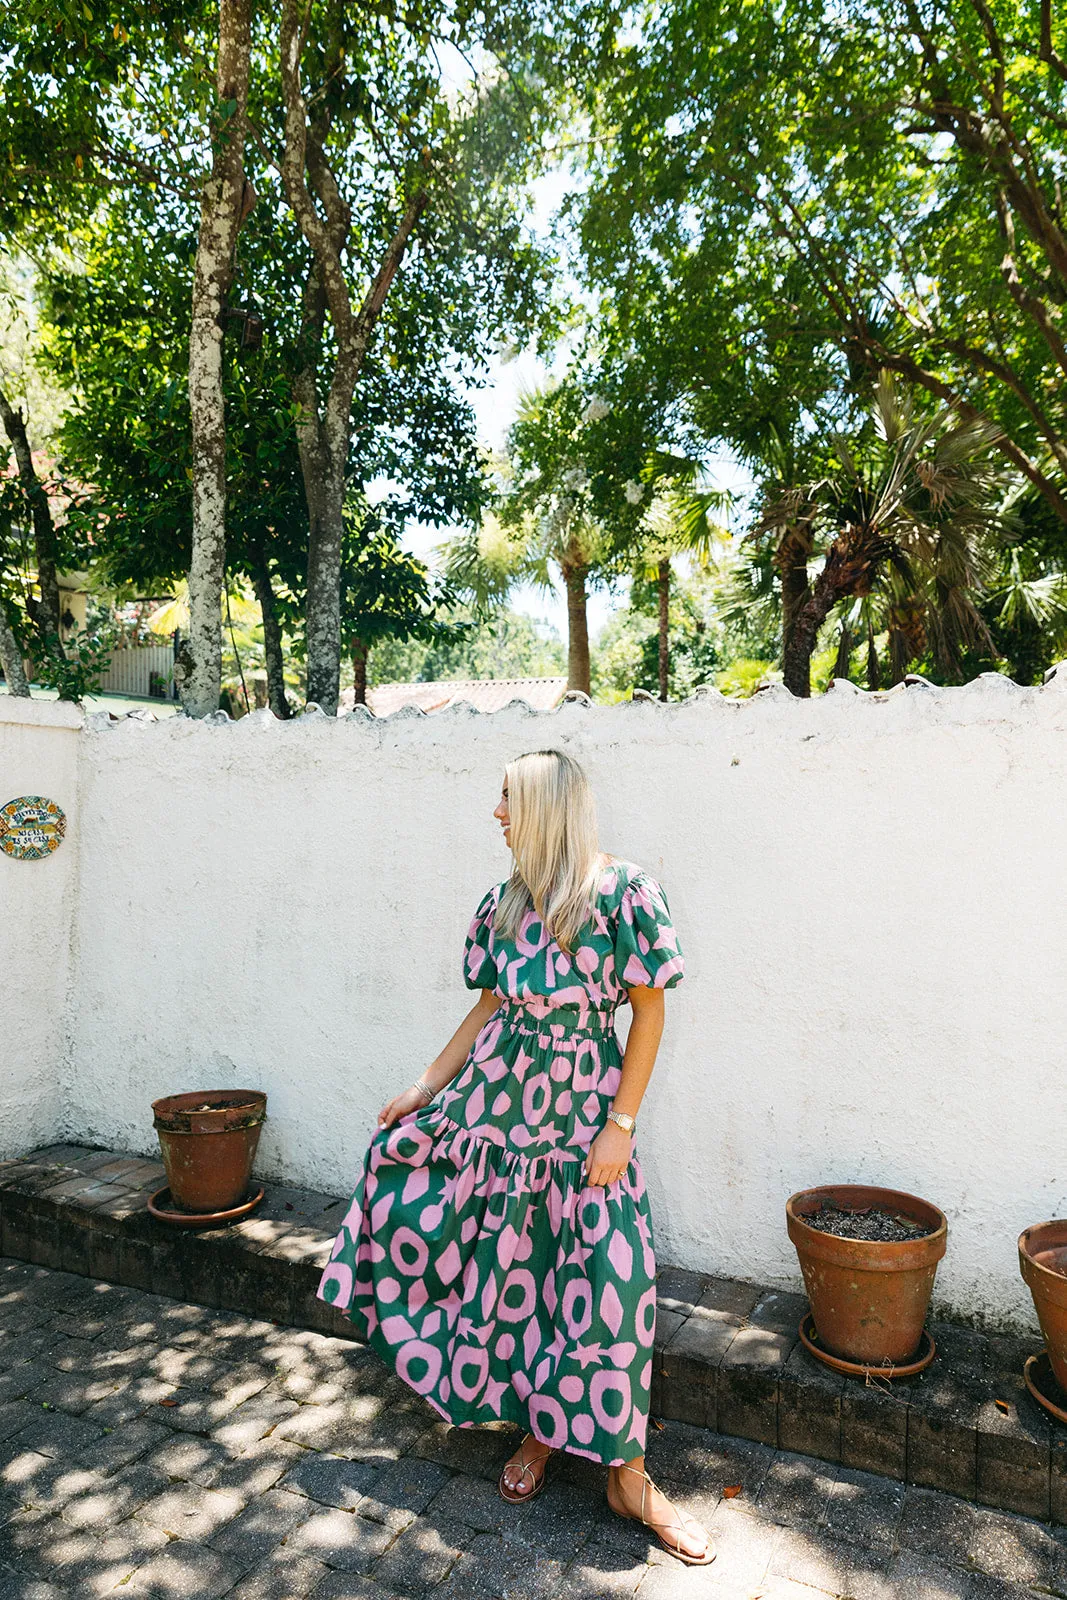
(677, 1531)
(523, 1473)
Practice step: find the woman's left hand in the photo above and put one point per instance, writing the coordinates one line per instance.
(609, 1155)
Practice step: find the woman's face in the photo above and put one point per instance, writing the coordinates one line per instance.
(502, 814)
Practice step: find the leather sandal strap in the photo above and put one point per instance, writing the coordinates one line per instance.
(681, 1526)
(528, 1466)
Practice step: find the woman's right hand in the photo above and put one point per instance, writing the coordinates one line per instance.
(399, 1106)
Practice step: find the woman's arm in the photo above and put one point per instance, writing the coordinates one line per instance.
(609, 1153)
(445, 1066)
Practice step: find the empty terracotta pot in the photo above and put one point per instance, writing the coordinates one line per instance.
(1043, 1264)
(209, 1141)
(869, 1299)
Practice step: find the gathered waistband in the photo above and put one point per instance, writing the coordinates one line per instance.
(538, 1014)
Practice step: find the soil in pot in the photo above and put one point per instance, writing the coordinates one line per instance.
(869, 1294)
(883, 1227)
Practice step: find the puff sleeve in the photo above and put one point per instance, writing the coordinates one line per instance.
(479, 967)
(647, 952)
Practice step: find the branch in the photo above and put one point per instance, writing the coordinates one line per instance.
(321, 237)
(350, 361)
(371, 309)
(853, 325)
(1027, 302)
(989, 27)
(1023, 194)
(1046, 52)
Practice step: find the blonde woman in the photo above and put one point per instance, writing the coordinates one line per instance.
(498, 1251)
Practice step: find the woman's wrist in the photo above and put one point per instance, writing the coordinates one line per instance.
(426, 1090)
(622, 1120)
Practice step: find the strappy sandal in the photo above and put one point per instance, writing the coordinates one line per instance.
(513, 1496)
(672, 1549)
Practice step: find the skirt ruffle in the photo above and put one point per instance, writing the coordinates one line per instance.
(500, 1285)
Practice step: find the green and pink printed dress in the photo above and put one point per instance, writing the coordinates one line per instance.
(474, 1257)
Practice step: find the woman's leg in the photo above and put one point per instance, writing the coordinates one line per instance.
(626, 1485)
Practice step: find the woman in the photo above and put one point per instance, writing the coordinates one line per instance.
(498, 1250)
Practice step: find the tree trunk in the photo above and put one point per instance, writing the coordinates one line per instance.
(796, 659)
(574, 576)
(791, 559)
(44, 613)
(844, 654)
(199, 667)
(663, 583)
(11, 658)
(851, 566)
(325, 534)
(324, 433)
(360, 655)
(272, 639)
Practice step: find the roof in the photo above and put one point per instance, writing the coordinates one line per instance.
(484, 694)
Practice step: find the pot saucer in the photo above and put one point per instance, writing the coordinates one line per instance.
(1042, 1384)
(809, 1338)
(161, 1206)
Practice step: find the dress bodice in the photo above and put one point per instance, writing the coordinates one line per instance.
(628, 942)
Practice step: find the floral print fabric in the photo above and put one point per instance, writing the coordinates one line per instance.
(474, 1257)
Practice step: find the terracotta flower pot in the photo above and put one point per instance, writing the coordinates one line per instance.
(869, 1300)
(1043, 1264)
(209, 1142)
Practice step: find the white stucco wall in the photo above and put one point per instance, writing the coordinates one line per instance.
(869, 891)
(39, 748)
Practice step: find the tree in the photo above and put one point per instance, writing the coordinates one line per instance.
(43, 611)
(574, 492)
(352, 117)
(383, 167)
(84, 125)
(324, 433)
(679, 523)
(386, 593)
(225, 199)
(909, 509)
(117, 334)
(11, 659)
(879, 185)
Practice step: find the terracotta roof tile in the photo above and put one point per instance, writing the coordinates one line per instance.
(485, 694)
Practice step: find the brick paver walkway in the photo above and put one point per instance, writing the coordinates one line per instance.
(154, 1448)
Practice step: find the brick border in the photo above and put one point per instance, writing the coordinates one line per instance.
(726, 1355)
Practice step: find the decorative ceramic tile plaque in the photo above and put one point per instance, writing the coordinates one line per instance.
(31, 827)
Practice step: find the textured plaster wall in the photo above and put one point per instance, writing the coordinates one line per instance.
(869, 891)
(39, 747)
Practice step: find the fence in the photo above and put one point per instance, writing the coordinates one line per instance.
(132, 670)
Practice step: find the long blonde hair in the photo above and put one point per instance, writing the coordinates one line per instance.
(554, 844)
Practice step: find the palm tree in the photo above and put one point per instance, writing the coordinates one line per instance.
(679, 522)
(547, 505)
(911, 515)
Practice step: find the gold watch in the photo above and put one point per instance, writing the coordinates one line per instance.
(627, 1123)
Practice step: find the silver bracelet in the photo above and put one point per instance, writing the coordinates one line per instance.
(425, 1090)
